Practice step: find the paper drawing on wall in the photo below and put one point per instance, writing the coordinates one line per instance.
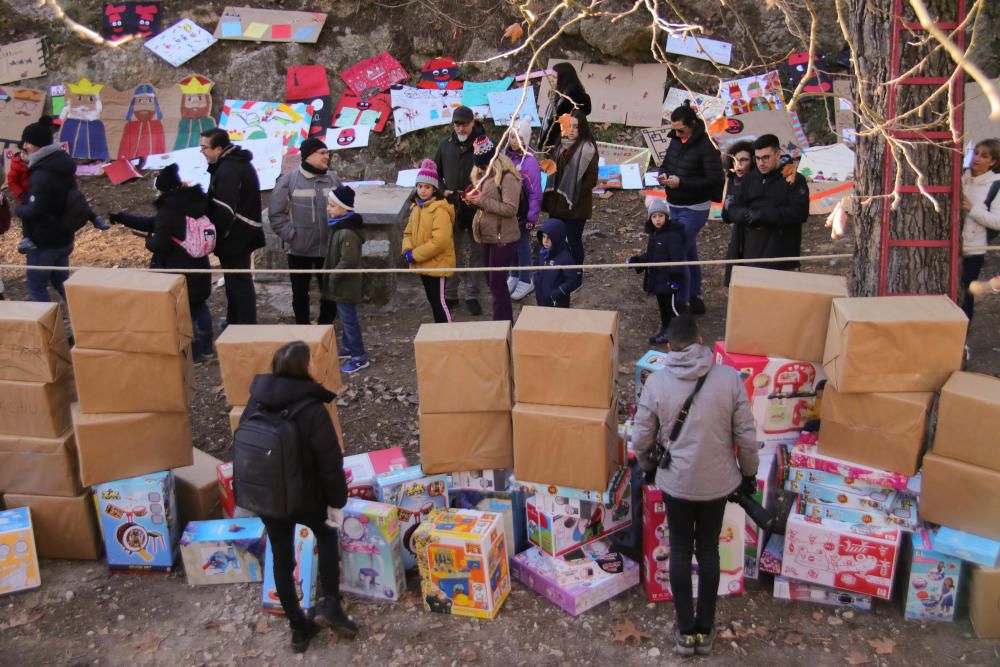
(374, 75)
(181, 42)
(352, 110)
(123, 19)
(250, 120)
(440, 74)
(143, 134)
(196, 110)
(22, 60)
(752, 93)
(796, 68)
(22, 107)
(308, 84)
(82, 128)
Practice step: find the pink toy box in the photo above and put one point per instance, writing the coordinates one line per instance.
(362, 469)
(804, 455)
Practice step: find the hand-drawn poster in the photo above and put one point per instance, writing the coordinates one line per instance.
(474, 93)
(82, 128)
(505, 104)
(827, 163)
(824, 195)
(707, 106)
(269, 25)
(22, 60)
(370, 77)
(352, 110)
(752, 93)
(127, 18)
(187, 110)
(796, 66)
(702, 48)
(191, 165)
(143, 132)
(748, 126)
(621, 154)
(266, 160)
(415, 108)
(181, 42)
(308, 84)
(249, 120)
(440, 74)
(657, 140)
(608, 87)
(644, 103)
(22, 107)
(844, 117)
(342, 138)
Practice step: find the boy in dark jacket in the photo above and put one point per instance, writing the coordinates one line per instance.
(667, 240)
(552, 288)
(344, 252)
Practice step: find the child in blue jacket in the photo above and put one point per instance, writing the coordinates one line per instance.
(665, 244)
(552, 288)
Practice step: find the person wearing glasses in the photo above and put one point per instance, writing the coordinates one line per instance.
(772, 205)
(739, 159)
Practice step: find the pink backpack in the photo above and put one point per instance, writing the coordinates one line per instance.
(199, 240)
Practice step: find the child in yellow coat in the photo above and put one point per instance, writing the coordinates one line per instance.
(428, 242)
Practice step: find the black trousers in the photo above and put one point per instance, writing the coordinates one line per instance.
(241, 297)
(434, 287)
(972, 266)
(281, 533)
(301, 282)
(694, 528)
(665, 302)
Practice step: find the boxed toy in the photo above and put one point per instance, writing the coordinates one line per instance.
(495, 480)
(37, 409)
(34, 347)
(138, 519)
(305, 575)
(580, 581)
(824, 487)
(371, 560)
(833, 553)
(904, 518)
(609, 495)
(501, 502)
(64, 527)
(966, 546)
(463, 367)
(628, 540)
(227, 498)
(984, 602)
(801, 591)
(806, 455)
(932, 582)
(197, 488)
(462, 555)
(960, 495)
(754, 535)
(968, 420)
(18, 558)
(223, 551)
(459, 441)
(415, 495)
(650, 362)
(44, 466)
(770, 560)
(362, 469)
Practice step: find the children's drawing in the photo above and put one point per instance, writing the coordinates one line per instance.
(504, 105)
(752, 93)
(126, 18)
(143, 133)
(707, 106)
(249, 120)
(341, 138)
(82, 128)
(416, 108)
(195, 110)
(352, 110)
(440, 74)
(374, 75)
(181, 42)
(796, 66)
(702, 48)
(308, 84)
(21, 107)
(269, 25)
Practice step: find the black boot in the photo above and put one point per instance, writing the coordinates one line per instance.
(331, 615)
(302, 635)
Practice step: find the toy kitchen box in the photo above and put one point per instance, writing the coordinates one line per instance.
(579, 581)
(18, 557)
(305, 574)
(462, 555)
(931, 583)
(224, 551)
(832, 553)
(362, 469)
(371, 562)
(650, 362)
(139, 523)
(415, 495)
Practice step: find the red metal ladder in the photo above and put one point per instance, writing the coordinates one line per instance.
(944, 137)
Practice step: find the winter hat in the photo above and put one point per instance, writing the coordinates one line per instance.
(462, 115)
(310, 146)
(482, 151)
(428, 173)
(38, 134)
(169, 178)
(342, 196)
(523, 129)
(659, 206)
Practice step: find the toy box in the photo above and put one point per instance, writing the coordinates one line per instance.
(800, 591)
(462, 555)
(754, 535)
(824, 487)
(770, 560)
(371, 563)
(932, 581)
(611, 495)
(841, 555)
(18, 557)
(804, 455)
(966, 546)
(650, 362)
(629, 540)
(138, 518)
(495, 480)
(514, 528)
(584, 579)
(224, 551)
(362, 469)
(902, 513)
(305, 574)
(415, 495)
(656, 548)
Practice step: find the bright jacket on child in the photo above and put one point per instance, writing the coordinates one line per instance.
(552, 288)
(429, 235)
(981, 217)
(344, 252)
(531, 183)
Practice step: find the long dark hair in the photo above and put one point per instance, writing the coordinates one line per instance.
(567, 80)
(291, 360)
(730, 154)
(584, 127)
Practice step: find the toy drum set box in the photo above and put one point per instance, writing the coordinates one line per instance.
(18, 558)
(371, 563)
(305, 574)
(224, 551)
(415, 495)
(139, 523)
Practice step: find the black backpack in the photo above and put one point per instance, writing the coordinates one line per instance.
(270, 464)
(76, 212)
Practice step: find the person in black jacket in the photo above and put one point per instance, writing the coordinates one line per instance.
(234, 183)
(692, 175)
(740, 163)
(291, 382)
(773, 206)
(553, 288)
(164, 234)
(567, 95)
(666, 244)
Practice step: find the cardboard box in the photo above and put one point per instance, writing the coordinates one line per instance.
(961, 496)
(609, 495)
(64, 527)
(806, 455)
(966, 546)
(894, 343)
(18, 557)
(306, 573)
(197, 488)
(138, 518)
(111, 382)
(371, 560)
(246, 350)
(223, 551)
(772, 316)
(801, 591)
(648, 364)
(129, 311)
(362, 469)
(826, 487)
(576, 585)
(566, 446)
(116, 446)
(462, 556)
(566, 357)
(236, 412)
(464, 367)
(234, 416)
(832, 553)
(33, 345)
(508, 505)
(984, 602)
(968, 420)
(496, 480)
(463, 441)
(753, 535)
(42, 466)
(39, 409)
(931, 583)
(415, 495)
(559, 525)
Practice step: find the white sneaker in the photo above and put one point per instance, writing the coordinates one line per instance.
(522, 290)
(512, 284)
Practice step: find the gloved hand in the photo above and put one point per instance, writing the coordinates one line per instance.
(751, 216)
(748, 486)
(334, 517)
(408, 256)
(101, 223)
(115, 218)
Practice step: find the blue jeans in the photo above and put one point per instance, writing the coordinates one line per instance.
(201, 321)
(693, 221)
(523, 257)
(353, 345)
(39, 279)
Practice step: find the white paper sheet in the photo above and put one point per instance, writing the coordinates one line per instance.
(181, 42)
(702, 48)
(342, 138)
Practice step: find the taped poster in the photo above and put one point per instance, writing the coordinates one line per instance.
(266, 160)
(474, 93)
(978, 125)
(269, 25)
(656, 141)
(22, 60)
(752, 93)
(707, 106)
(21, 107)
(609, 87)
(702, 48)
(621, 154)
(415, 108)
(248, 120)
(352, 110)
(181, 42)
(191, 165)
(504, 105)
(440, 74)
(342, 138)
(795, 68)
(748, 126)
(644, 104)
(827, 163)
(128, 18)
(844, 118)
(372, 76)
(824, 195)
(309, 85)
(83, 130)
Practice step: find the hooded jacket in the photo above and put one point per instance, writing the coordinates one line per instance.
(981, 217)
(234, 182)
(454, 166)
(344, 252)
(552, 288)
(736, 237)
(702, 463)
(531, 182)
(429, 235)
(323, 472)
(496, 218)
(698, 165)
(51, 176)
(665, 244)
(296, 210)
(777, 210)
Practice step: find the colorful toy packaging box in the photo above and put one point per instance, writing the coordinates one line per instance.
(362, 469)
(462, 555)
(305, 574)
(371, 562)
(138, 517)
(227, 498)
(824, 487)
(415, 495)
(650, 362)
(224, 551)
(579, 581)
(514, 517)
(932, 582)
(18, 558)
(753, 535)
(966, 546)
(608, 496)
(800, 591)
(496, 480)
(804, 455)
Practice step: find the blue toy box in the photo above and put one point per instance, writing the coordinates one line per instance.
(415, 495)
(371, 559)
(305, 574)
(973, 548)
(138, 517)
(224, 551)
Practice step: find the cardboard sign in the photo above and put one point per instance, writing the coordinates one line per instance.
(247, 120)
(352, 110)
(621, 154)
(124, 19)
(504, 105)
(121, 170)
(181, 42)
(416, 108)
(844, 114)
(269, 25)
(83, 130)
(752, 93)
(657, 141)
(608, 87)
(142, 133)
(474, 93)
(707, 106)
(187, 111)
(645, 99)
(440, 74)
(342, 138)
(309, 85)
(748, 126)
(702, 48)
(23, 107)
(374, 75)
(22, 60)
(978, 125)
(827, 163)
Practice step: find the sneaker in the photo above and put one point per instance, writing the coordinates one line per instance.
(205, 358)
(472, 305)
(25, 246)
(101, 223)
(331, 615)
(659, 339)
(697, 306)
(512, 284)
(523, 290)
(303, 635)
(703, 642)
(355, 365)
(683, 644)
(343, 356)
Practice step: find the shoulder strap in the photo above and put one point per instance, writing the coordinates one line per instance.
(686, 408)
(992, 194)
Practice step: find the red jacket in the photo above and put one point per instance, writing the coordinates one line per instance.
(17, 178)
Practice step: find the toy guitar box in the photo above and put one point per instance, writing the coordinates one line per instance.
(305, 574)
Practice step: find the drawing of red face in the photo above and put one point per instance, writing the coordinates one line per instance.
(346, 137)
(439, 73)
(146, 14)
(734, 126)
(116, 18)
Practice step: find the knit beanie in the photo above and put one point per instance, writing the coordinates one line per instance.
(659, 206)
(310, 146)
(428, 173)
(38, 134)
(462, 115)
(482, 151)
(342, 196)
(169, 178)
(523, 129)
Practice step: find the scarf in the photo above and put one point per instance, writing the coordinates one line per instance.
(333, 221)
(42, 153)
(573, 171)
(311, 169)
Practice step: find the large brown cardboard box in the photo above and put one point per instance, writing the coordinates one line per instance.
(196, 488)
(43, 466)
(780, 314)
(64, 527)
(39, 409)
(458, 442)
(116, 446)
(33, 345)
(968, 422)
(882, 430)
(961, 496)
(893, 343)
(129, 311)
(566, 446)
(237, 411)
(464, 367)
(109, 382)
(565, 357)
(245, 350)
(984, 602)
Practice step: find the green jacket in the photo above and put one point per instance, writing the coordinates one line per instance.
(344, 252)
